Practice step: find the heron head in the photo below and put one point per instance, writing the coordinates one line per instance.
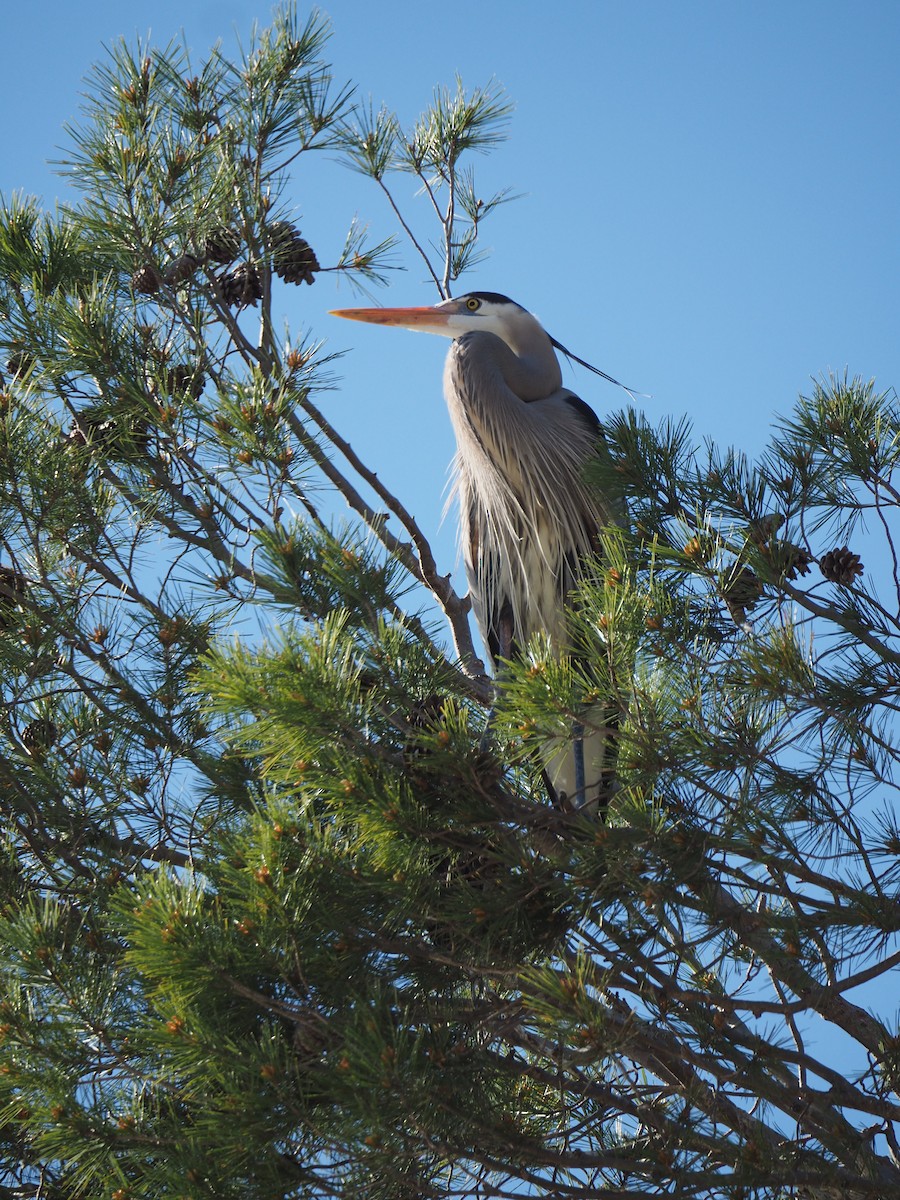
(484, 312)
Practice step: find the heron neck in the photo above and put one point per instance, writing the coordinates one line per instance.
(531, 375)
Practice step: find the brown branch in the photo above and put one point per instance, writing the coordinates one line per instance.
(416, 556)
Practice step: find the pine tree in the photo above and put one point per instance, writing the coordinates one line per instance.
(284, 913)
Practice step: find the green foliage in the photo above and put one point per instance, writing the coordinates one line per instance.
(456, 124)
(284, 910)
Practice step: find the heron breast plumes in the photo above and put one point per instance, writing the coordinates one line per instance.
(527, 520)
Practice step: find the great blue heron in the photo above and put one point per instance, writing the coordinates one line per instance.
(528, 521)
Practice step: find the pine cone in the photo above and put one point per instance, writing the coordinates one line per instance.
(182, 380)
(293, 259)
(840, 565)
(797, 560)
(13, 588)
(180, 269)
(147, 280)
(39, 735)
(279, 234)
(19, 362)
(741, 590)
(241, 286)
(222, 245)
(103, 430)
(424, 717)
(76, 435)
(786, 559)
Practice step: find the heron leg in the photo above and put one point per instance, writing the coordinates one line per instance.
(578, 750)
(487, 735)
(500, 645)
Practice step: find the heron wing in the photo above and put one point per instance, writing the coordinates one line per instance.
(528, 520)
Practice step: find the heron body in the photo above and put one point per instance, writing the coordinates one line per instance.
(529, 524)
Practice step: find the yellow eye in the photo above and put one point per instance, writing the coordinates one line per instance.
(472, 304)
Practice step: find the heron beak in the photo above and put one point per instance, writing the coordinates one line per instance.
(427, 320)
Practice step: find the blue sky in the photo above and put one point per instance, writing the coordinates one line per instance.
(709, 204)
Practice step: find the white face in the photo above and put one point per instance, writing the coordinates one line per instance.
(471, 314)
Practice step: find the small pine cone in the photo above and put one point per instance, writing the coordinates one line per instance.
(147, 280)
(423, 718)
(90, 428)
(180, 269)
(786, 559)
(425, 714)
(796, 562)
(102, 431)
(76, 435)
(293, 259)
(39, 735)
(182, 380)
(222, 245)
(840, 565)
(241, 286)
(279, 234)
(19, 362)
(741, 590)
(13, 588)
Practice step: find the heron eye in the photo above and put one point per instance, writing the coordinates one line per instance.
(472, 304)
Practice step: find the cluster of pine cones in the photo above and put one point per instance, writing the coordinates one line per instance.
(291, 257)
(742, 589)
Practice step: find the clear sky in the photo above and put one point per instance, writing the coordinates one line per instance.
(709, 204)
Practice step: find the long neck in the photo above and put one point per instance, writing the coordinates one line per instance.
(531, 375)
